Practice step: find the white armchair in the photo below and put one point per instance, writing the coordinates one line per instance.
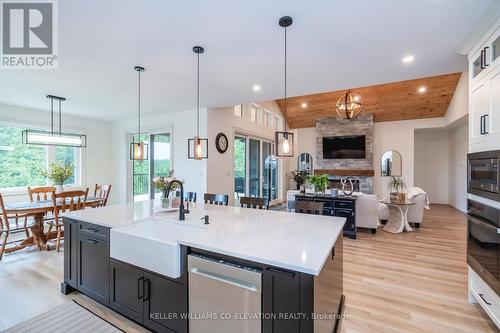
(416, 212)
(367, 212)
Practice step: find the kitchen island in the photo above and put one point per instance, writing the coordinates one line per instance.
(250, 270)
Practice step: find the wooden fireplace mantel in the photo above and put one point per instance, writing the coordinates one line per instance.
(345, 172)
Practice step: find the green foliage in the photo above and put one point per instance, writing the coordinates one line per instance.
(239, 158)
(299, 177)
(320, 182)
(58, 172)
(396, 184)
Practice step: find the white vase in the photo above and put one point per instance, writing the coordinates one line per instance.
(59, 189)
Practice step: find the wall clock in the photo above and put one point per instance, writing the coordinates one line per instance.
(221, 143)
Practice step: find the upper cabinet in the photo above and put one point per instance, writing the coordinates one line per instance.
(484, 93)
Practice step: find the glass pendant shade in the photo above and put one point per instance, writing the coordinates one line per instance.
(349, 106)
(55, 136)
(139, 151)
(47, 138)
(197, 148)
(284, 144)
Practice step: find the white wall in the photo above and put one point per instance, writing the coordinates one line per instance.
(459, 141)
(95, 158)
(432, 164)
(182, 125)
(221, 166)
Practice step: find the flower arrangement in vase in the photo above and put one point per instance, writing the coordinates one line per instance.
(397, 188)
(58, 173)
(161, 183)
(300, 178)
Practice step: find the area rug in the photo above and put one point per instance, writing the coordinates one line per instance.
(66, 318)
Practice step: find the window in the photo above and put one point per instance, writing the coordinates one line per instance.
(21, 164)
(238, 110)
(267, 118)
(158, 164)
(278, 123)
(253, 114)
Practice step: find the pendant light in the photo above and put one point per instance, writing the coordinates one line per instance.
(138, 150)
(349, 106)
(283, 142)
(54, 137)
(198, 147)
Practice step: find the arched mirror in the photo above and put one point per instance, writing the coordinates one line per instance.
(391, 164)
(305, 163)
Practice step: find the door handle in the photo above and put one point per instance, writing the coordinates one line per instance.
(484, 300)
(485, 55)
(147, 290)
(91, 241)
(482, 59)
(484, 124)
(140, 287)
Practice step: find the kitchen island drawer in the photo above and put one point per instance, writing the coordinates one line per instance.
(94, 230)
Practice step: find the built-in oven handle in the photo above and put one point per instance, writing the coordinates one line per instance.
(483, 224)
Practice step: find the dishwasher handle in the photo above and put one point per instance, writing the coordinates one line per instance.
(225, 279)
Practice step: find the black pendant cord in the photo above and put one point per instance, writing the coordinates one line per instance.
(51, 116)
(198, 99)
(285, 75)
(60, 118)
(139, 105)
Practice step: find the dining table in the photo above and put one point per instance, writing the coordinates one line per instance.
(38, 210)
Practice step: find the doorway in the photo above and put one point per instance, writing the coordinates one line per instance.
(255, 168)
(159, 164)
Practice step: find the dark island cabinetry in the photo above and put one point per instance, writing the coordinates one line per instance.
(340, 206)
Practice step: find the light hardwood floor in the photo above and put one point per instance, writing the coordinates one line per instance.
(411, 282)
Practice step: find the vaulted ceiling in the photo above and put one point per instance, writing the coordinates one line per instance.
(400, 100)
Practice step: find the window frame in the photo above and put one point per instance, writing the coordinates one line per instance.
(50, 157)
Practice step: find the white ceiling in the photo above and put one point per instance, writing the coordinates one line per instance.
(332, 45)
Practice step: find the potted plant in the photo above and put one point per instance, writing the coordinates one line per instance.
(161, 183)
(58, 173)
(300, 178)
(320, 182)
(397, 188)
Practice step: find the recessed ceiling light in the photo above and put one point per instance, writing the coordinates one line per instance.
(422, 89)
(303, 105)
(256, 87)
(408, 59)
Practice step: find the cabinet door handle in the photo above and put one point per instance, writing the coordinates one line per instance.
(147, 290)
(486, 62)
(481, 125)
(484, 124)
(482, 59)
(485, 301)
(140, 287)
(91, 241)
(94, 230)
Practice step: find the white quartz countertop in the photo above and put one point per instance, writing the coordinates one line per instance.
(297, 242)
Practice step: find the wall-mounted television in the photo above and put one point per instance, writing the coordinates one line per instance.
(342, 147)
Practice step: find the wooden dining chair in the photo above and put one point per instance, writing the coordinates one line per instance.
(256, 203)
(63, 202)
(11, 224)
(309, 207)
(216, 199)
(40, 193)
(102, 192)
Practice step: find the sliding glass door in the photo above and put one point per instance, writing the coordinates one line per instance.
(159, 164)
(255, 168)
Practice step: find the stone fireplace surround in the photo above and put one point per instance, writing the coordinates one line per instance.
(362, 125)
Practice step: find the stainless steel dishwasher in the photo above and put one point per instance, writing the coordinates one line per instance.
(223, 296)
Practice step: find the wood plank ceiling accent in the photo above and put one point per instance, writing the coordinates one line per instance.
(387, 102)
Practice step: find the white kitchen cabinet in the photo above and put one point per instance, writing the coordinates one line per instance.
(479, 110)
(494, 123)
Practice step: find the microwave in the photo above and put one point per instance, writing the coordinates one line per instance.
(484, 174)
